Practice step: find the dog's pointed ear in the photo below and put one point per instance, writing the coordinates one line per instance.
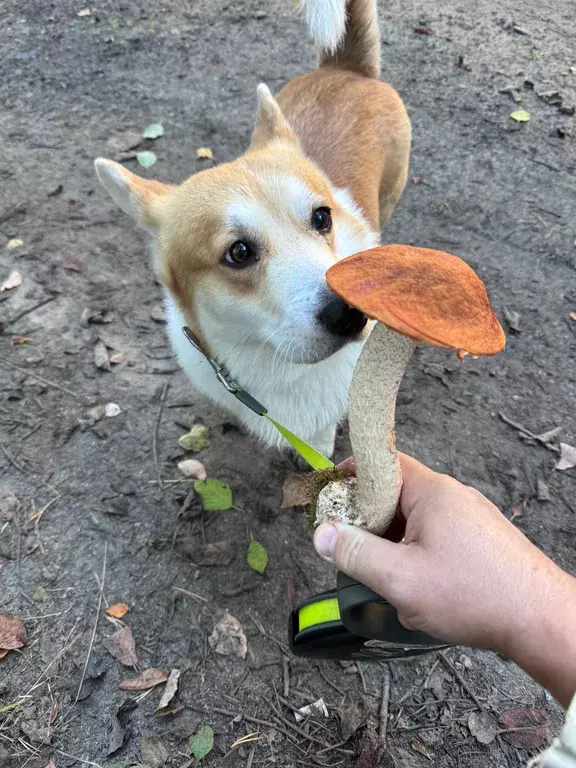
(271, 125)
(135, 195)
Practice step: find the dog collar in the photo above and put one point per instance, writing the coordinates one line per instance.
(316, 460)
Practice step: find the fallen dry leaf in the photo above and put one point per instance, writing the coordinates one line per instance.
(228, 638)
(419, 747)
(196, 440)
(124, 141)
(215, 553)
(13, 280)
(73, 263)
(117, 610)
(3, 652)
(317, 708)
(369, 750)
(567, 458)
(20, 340)
(12, 632)
(101, 359)
(152, 752)
(148, 678)
(524, 728)
(542, 491)
(518, 508)
(204, 153)
(483, 727)
(169, 691)
(97, 317)
(513, 319)
(192, 468)
(296, 492)
(351, 718)
(122, 646)
(35, 731)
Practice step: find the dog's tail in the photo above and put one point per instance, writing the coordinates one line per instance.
(346, 33)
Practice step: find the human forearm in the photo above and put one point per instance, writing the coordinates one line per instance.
(544, 645)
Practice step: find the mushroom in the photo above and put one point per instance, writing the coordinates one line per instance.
(415, 295)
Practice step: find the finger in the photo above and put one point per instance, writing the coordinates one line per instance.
(348, 465)
(416, 479)
(371, 560)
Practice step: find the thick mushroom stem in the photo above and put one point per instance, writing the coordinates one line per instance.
(371, 414)
(371, 501)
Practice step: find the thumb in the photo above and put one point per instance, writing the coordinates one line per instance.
(373, 561)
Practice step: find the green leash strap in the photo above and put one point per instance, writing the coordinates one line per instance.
(311, 455)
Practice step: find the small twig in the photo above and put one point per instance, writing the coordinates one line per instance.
(193, 595)
(294, 727)
(286, 675)
(283, 647)
(527, 433)
(332, 747)
(462, 682)
(37, 516)
(330, 683)
(361, 673)
(384, 704)
(30, 309)
(79, 759)
(11, 459)
(98, 609)
(39, 378)
(248, 718)
(251, 757)
(12, 211)
(429, 676)
(155, 440)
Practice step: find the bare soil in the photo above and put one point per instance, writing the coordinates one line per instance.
(499, 193)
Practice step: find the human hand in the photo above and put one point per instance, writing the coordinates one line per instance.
(464, 573)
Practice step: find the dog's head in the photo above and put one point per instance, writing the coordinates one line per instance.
(243, 248)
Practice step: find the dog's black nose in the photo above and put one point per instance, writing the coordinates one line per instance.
(340, 319)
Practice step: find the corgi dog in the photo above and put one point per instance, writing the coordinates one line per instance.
(241, 249)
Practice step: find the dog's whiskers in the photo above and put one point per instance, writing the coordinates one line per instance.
(246, 338)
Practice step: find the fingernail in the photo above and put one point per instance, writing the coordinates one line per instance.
(325, 540)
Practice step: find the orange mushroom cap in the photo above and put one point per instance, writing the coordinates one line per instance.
(430, 296)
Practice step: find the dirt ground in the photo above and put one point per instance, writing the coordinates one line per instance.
(499, 193)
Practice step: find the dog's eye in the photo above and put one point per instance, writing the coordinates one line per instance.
(239, 254)
(322, 219)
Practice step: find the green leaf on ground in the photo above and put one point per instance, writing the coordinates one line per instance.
(214, 494)
(520, 115)
(153, 131)
(201, 744)
(146, 159)
(257, 556)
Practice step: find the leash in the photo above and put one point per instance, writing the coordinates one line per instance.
(314, 458)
